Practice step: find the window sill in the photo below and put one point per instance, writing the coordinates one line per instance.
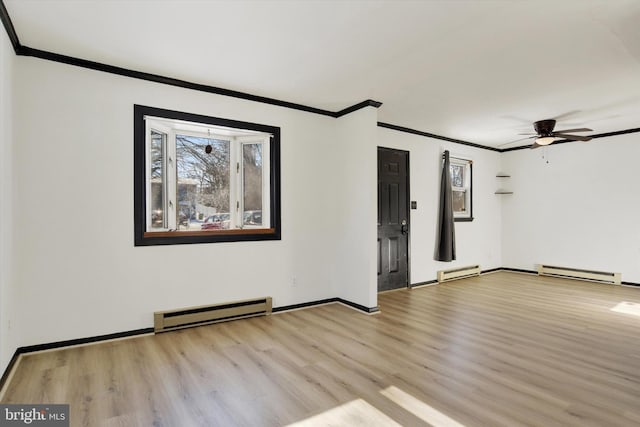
(463, 219)
(243, 231)
(206, 236)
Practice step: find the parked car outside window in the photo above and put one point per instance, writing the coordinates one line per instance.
(216, 222)
(252, 218)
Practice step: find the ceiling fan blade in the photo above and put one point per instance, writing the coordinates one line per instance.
(572, 137)
(535, 145)
(528, 133)
(574, 130)
(517, 140)
(566, 115)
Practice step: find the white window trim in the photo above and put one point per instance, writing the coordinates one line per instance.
(236, 202)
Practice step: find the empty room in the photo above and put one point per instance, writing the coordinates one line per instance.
(309, 213)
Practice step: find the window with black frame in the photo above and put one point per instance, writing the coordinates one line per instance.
(201, 179)
(461, 186)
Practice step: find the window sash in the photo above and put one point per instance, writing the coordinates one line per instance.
(165, 133)
(466, 188)
(264, 187)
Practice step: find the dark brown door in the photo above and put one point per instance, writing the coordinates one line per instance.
(393, 219)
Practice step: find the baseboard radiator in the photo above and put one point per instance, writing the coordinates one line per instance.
(458, 273)
(195, 316)
(575, 273)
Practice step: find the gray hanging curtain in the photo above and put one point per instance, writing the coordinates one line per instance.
(446, 238)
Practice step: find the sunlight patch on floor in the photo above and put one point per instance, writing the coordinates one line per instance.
(355, 413)
(419, 408)
(627, 307)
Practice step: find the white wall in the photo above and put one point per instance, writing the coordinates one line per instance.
(354, 164)
(70, 270)
(477, 242)
(77, 271)
(7, 335)
(575, 205)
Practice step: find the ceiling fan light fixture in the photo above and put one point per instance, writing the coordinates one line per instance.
(545, 140)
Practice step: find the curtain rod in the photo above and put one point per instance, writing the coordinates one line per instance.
(458, 158)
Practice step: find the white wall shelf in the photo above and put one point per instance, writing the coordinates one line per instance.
(501, 190)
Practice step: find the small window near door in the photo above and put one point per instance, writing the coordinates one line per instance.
(461, 186)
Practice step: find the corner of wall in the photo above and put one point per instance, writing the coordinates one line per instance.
(354, 179)
(7, 340)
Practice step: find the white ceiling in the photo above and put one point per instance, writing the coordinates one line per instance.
(479, 71)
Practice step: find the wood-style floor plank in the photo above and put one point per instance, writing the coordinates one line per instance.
(503, 349)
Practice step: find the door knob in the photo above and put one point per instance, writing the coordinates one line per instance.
(403, 227)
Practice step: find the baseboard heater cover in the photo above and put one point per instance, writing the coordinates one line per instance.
(579, 274)
(458, 273)
(202, 315)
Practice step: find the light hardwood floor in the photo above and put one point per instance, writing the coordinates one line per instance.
(499, 350)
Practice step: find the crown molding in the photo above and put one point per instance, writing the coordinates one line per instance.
(22, 50)
(432, 135)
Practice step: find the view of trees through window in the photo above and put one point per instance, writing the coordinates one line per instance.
(458, 184)
(201, 192)
(203, 176)
(461, 182)
(252, 176)
(157, 148)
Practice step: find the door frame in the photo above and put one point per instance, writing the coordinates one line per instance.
(409, 285)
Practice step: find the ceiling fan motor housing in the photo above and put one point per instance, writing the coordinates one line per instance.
(544, 127)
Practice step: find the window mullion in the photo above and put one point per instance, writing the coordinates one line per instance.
(235, 186)
(240, 179)
(172, 182)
